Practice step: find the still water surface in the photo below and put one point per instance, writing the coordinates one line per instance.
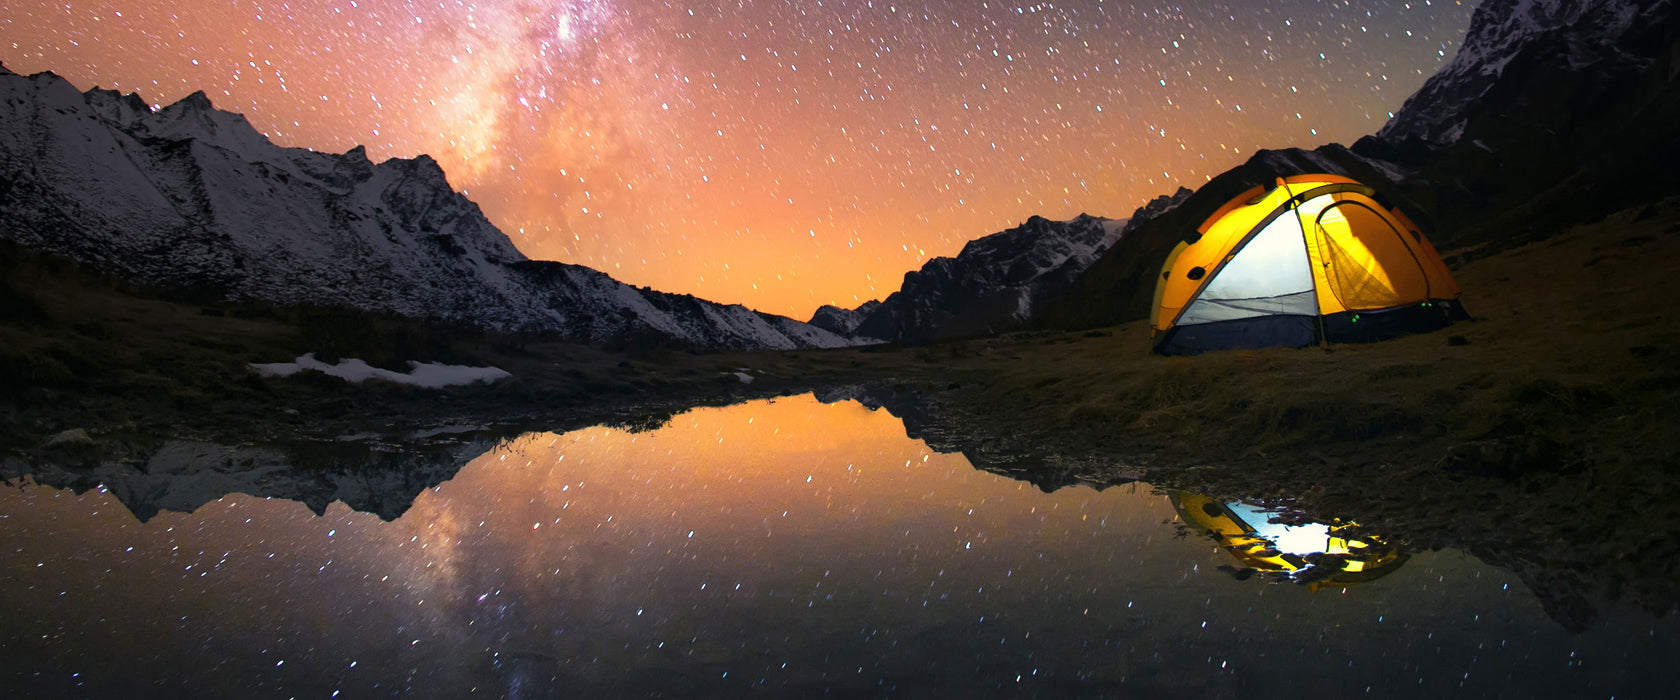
(783, 548)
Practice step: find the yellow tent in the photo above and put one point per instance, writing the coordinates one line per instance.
(1315, 258)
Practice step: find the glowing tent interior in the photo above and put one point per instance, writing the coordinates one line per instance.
(1315, 258)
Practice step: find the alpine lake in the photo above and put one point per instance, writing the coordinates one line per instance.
(785, 547)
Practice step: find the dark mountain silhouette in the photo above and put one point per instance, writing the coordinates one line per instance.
(843, 321)
(993, 285)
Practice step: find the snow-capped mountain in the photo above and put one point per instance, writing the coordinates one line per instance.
(989, 287)
(1553, 112)
(1508, 38)
(188, 196)
(1100, 294)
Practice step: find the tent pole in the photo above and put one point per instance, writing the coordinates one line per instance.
(1318, 315)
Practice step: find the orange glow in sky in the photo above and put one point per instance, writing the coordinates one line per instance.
(778, 154)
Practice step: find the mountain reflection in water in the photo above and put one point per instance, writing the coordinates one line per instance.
(782, 547)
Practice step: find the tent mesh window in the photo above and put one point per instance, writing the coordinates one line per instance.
(1353, 237)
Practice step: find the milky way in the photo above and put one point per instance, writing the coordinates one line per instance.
(777, 154)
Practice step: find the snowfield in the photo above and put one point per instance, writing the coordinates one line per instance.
(426, 375)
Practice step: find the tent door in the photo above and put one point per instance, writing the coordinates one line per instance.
(1270, 274)
(1366, 260)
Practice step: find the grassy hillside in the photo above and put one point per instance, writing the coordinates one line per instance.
(1540, 436)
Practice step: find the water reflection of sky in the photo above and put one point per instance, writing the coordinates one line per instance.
(780, 547)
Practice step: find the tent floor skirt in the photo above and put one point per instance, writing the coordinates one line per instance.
(1301, 331)
(1372, 326)
(1256, 332)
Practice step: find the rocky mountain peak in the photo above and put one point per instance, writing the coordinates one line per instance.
(843, 321)
(1520, 35)
(196, 102)
(1159, 205)
(422, 167)
(115, 107)
(991, 285)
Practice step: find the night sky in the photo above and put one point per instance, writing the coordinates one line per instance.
(778, 154)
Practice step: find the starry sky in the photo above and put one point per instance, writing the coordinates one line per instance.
(781, 154)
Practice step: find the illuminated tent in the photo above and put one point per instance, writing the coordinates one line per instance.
(1315, 258)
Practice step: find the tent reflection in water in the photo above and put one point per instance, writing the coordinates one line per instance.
(1312, 554)
(1316, 258)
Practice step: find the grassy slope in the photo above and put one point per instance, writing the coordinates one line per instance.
(1571, 348)
(1540, 436)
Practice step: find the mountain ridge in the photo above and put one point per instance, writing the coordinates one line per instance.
(991, 286)
(188, 196)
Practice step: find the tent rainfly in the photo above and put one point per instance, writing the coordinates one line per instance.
(1314, 259)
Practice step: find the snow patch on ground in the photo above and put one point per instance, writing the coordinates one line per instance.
(427, 375)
